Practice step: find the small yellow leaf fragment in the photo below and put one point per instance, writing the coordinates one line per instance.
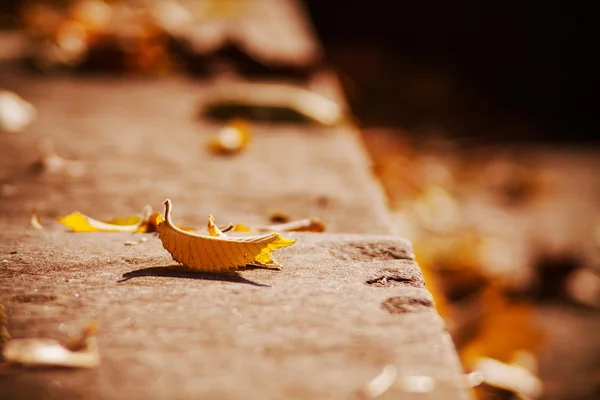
(151, 224)
(233, 138)
(242, 228)
(79, 222)
(213, 230)
(218, 252)
(130, 220)
(35, 222)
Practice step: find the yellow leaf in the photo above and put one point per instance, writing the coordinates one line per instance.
(217, 253)
(213, 230)
(130, 220)
(242, 228)
(233, 138)
(151, 224)
(79, 222)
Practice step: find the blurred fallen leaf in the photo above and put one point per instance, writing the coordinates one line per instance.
(16, 114)
(453, 259)
(232, 139)
(511, 377)
(437, 209)
(52, 163)
(389, 378)
(380, 384)
(271, 102)
(218, 252)
(79, 222)
(79, 342)
(417, 383)
(302, 225)
(35, 222)
(583, 286)
(279, 217)
(506, 328)
(80, 352)
(92, 33)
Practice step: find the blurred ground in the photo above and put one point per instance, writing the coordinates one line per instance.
(480, 122)
(507, 235)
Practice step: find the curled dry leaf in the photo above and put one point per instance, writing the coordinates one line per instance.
(79, 222)
(234, 138)
(79, 352)
(35, 222)
(218, 252)
(15, 113)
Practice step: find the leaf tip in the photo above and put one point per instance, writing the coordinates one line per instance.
(167, 204)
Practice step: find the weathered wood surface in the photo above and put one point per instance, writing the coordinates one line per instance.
(316, 330)
(142, 141)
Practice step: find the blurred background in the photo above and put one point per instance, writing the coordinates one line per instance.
(480, 122)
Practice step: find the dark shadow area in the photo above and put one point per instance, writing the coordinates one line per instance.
(175, 272)
(467, 65)
(224, 112)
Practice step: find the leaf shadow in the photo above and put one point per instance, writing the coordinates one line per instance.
(175, 272)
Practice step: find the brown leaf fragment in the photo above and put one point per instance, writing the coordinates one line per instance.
(80, 341)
